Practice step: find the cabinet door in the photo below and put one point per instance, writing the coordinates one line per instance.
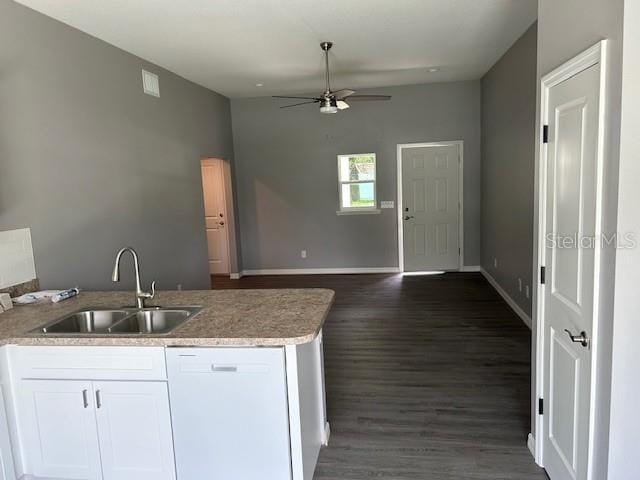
(134, 428)
(58, 429)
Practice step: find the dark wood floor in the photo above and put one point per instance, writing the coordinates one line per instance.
(427, 377)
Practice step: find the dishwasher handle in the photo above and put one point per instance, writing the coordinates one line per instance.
(224, 368)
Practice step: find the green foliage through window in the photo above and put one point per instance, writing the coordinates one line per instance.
(357, 176)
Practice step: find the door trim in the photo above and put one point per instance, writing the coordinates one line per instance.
(595, 55)
(402, 146)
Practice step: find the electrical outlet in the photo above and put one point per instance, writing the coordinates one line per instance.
(526, 291)
(520, 284)
(495, 263)
(303, 254)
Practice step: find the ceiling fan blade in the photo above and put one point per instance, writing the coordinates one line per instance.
(300, 98)
(301, 103)
(342, 105)
(344, 93)
(369, 97)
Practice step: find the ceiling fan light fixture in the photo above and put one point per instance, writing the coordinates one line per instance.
(328, 105)
(331, 101)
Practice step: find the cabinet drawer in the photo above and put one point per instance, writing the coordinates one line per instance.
(92, 363)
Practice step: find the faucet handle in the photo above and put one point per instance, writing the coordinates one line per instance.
(147, 294)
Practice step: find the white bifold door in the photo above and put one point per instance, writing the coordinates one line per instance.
(431, 207)
(569, 257)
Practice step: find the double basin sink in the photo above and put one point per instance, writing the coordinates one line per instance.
(97, 321)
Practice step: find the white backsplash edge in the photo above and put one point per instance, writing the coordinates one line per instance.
(17, 264)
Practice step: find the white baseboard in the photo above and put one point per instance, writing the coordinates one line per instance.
(332, 271)
(326, 435)
(470, 268)
(531, 443)
(320, 271)
(510, 301)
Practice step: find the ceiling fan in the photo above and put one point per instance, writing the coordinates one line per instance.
(332, 101)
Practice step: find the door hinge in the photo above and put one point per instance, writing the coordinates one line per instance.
(540, 406)
(543, 275)
(545, 134)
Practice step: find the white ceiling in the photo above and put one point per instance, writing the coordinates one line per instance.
(231, 45)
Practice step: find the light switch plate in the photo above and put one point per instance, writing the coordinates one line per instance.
(386, 204)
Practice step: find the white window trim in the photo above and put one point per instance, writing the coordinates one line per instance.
(358, 210)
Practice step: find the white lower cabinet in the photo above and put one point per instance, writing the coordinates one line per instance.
(93, 430)
(118, 413)
(7, 470)
(59, 433)
(134, 428)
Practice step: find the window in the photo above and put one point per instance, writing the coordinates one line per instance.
(357, 182)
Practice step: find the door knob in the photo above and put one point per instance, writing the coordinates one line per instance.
(221, 224)
(408, 217)
(582, 339)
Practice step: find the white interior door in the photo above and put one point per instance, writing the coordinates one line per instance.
(215, 215)
(431, 208)
(58, 429)
(570, 212)
(134, 428)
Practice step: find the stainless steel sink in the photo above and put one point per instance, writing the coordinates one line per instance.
(154, 320)
(86, 321)
(94, 321)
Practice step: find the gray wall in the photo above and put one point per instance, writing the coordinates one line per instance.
(565, 29)
(508, 167)
(90, 163)
(287, 173)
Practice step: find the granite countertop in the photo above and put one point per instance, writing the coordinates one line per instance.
(229, 317)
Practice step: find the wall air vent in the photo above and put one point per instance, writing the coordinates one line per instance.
(150, 83)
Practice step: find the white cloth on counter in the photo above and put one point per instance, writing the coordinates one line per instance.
(35, 297)
(45, 296)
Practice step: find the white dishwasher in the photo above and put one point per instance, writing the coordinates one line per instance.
(229, 413)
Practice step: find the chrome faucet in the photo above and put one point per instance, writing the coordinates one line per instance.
(141, 296)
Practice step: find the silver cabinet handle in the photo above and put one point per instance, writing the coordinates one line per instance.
(85, 398)
(582, 339)
(98, 399)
